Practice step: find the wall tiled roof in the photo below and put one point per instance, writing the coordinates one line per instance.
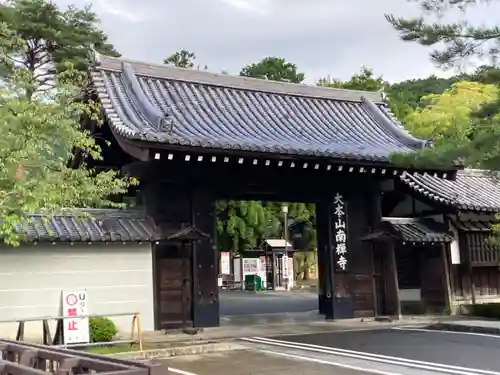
(99, 226)
(410, 230)
(473, 190)
(475, 225)
(187, 107)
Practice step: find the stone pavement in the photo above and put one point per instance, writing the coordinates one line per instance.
(225, 338)
(248, 362)
(465, 324)
(279, 325)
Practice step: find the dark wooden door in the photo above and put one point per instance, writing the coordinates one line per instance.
(433, 281)
(380, 260)
(173, 270)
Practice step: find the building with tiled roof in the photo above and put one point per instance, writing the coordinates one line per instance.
(193, 137)
(468, 204)
(472, 190)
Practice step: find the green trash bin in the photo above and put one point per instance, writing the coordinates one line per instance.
(253, 283)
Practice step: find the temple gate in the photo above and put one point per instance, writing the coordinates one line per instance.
(193, 137)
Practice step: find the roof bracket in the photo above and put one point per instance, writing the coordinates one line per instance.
(397, 131)
(154, 115)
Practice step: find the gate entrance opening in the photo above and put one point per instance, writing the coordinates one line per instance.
(194, 137)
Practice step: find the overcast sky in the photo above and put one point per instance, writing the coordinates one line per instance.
(323, 37)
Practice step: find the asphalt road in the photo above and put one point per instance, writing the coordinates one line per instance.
(249, 363)
(396, 349)
(242, 303)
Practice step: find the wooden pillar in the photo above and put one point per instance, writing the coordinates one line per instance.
(175, 207)
(321, 241)
(336, 300)
(169, 206)
(373, 202)
(325, 258)
(205, 258)
(394, 276)
(447, 278)
(468, 273)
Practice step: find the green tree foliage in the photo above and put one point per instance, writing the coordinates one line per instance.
(455, 43)
(181, 59)
(457, 40)
(484, 74)
(273, 69)
(447, 116)
(53, 36)
(40, 129)
(406, 96)
(365, 80)
(243, 225)
(460, 134)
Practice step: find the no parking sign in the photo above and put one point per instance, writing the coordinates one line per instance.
(74, 305)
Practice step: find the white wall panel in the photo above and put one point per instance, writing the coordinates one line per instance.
(118, 277)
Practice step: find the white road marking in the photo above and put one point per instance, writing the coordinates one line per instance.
(323, 362)
(431, 366)
(180, 372)
(446, 332)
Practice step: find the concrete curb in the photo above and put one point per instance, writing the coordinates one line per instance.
(272, 318)
(162, 353)
(454, 327)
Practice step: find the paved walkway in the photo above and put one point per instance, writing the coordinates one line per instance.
(281, 324)
(476, 325)
(249, 362)
(234, 303)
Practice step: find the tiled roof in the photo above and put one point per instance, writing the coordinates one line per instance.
(410, 230)
(475, 225)
(100, 226)
(278, 243)
(473, 190)
(187, 107)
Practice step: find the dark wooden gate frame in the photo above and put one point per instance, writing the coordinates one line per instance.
(199, 183)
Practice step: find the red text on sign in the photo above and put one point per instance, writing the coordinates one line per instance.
(72, 312)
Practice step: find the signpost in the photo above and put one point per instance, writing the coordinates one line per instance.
(225, 267)
(74, 305)
(340, 232)
(250, 266)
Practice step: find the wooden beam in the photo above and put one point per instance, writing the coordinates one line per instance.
(446, 278)
(394, 269)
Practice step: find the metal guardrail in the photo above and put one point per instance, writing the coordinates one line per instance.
(58, 339)
(19, 358)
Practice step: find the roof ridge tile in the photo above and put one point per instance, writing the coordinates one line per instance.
(163, 71)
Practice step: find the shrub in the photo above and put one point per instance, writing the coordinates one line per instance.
(486, 310)
(102, 329)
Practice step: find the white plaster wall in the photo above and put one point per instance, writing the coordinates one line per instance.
(118, 278)
(410, 295)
